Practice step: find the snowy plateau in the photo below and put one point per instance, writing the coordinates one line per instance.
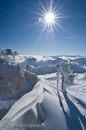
(32, 97)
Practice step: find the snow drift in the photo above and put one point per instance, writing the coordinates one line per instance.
(43, 104)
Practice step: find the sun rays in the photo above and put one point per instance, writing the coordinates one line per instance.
(50, 17)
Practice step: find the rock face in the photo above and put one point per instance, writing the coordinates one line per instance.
(14, 81)
(11, 79)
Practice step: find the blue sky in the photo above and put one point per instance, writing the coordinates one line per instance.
(19, 31)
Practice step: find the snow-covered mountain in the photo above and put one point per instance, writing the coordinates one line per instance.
(46, 64)
(42, 104)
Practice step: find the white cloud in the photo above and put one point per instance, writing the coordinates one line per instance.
(72, 37)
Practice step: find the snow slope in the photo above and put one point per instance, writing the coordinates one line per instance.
(44, 105)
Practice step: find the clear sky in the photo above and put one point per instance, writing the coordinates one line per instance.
(22, 27)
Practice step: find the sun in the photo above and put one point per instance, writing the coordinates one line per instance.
(49, 18)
